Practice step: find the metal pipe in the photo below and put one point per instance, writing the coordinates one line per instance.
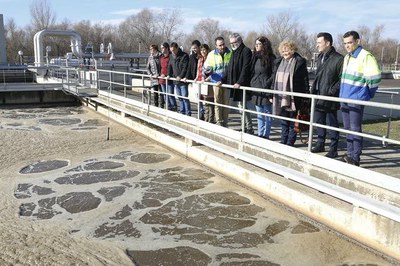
(38, 43)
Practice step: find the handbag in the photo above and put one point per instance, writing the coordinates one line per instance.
(301, 127)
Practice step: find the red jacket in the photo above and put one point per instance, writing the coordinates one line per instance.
(164, 61)
(200, 64)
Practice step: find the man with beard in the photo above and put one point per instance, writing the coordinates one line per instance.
(238, 73)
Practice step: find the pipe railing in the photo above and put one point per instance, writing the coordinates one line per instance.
(312, 98)
(111, 81)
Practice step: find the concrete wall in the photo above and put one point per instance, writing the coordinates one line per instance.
(36, 97)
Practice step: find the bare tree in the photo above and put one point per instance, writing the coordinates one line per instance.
(140, 29)
(42, 14)
(284, 26)
(390, 46)
(126, 37)
(15, 41)
(305, 43)
(372, 40)
(280, 27)
(168, 22)
(250, 39)
(206, 30)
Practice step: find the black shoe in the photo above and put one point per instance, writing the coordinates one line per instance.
(318, 148)
(349, 160)
(346, 158)
(249, 131)
(332, 154)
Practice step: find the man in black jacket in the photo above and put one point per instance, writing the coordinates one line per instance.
(177, 68)
(238, 73)
(327, 83)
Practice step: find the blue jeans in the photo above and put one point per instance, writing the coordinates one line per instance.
(202, 110)
(184, 104)
(264, 122)
(322, 118)
(352, 117)
(288, 135)
(171, 103)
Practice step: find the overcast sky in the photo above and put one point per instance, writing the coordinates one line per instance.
(335, 17)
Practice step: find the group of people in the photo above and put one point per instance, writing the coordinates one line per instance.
(355, 76)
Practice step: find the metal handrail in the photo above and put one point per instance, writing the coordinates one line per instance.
(312, 97)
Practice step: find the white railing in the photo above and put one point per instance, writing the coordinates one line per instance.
(117, 81)
(384, 139)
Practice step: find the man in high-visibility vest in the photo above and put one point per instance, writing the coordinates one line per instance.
(361, 76)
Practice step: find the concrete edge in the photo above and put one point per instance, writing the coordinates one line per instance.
(382, 188)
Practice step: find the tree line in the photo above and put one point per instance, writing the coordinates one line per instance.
(137, 32)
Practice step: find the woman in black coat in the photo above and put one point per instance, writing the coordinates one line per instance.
(261, 77)
(290, 75)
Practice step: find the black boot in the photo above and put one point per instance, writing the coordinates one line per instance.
(332, 153)
(318, 148)
(249, 131)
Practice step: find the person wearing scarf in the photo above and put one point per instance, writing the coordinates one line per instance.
(290, 75)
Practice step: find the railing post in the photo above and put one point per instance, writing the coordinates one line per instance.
(110, 79)
(84, 77)
(67, 78)
(389, 122)
(167, 94)
(97, 80)
(198, 101)
(125, 85)
(310, 131)
(243, 108)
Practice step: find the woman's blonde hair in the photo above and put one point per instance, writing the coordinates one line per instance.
(287, 44)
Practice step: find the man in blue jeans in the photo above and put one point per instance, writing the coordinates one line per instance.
(178, 65)
(360, 80)
(166, 87)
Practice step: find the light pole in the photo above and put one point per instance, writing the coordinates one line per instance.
(20, 53)
(139, 46)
